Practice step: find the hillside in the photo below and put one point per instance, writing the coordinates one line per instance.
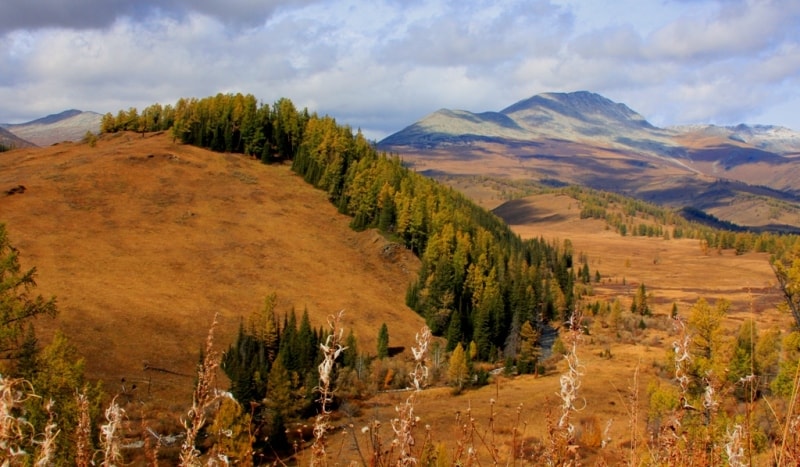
(69, 125)
(10, 140)
(586, 139)
(142, 240)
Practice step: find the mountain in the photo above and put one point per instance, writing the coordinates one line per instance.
(586, 139)
(69, 125)
(11, 141)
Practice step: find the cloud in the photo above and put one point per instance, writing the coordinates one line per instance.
(736, 28)
(94, 14)
(384, 64)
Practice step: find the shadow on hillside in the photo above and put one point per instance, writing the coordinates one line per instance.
(520, 212)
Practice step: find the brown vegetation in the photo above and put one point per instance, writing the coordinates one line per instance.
(143, 240)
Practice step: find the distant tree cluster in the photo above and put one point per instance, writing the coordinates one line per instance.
(153, 118)
(632, 217)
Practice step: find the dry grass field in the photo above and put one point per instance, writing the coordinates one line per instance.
(143, 240)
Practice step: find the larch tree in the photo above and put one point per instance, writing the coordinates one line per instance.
(458, 369)
(18, 305)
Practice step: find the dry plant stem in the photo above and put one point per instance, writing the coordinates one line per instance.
(110, 434)
(733, 447)
(13, 394)
(204, 396)
(403, 426)
(47, 439)
(150, 449)
(634, 414)
(331, 350)
(790, 417)
(83, 442)
(562, 449)
(668, 447)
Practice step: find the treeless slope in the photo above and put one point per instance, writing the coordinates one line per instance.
(143, 240)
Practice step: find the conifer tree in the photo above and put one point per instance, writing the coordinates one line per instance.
(18, 306)
(639, 305)
(458, 368)
(529, 352)
(383, 341)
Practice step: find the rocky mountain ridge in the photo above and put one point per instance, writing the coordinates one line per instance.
(586, 139)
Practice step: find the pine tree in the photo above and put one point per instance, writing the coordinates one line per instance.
(279, 404)
(350, 354)
(383, 341)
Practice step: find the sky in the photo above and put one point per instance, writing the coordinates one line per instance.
(381, 65)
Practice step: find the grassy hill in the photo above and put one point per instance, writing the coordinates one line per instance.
(143, 240)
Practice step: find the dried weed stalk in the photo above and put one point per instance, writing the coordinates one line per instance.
(110, 435)
(14, 393)
(205, 395)
(669, 444)
(403, 426)
(331, 350)
(562, 449)
(734, 449)
(47, 438)
(83, 435)
(16, 437)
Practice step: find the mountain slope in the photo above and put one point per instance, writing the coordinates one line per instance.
(11, 141)
(143, 240)
(586, 139)
(69, 125)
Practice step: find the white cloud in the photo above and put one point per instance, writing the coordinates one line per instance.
(382, 65)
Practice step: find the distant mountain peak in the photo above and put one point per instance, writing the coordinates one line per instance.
(55, 118)
(69, 125)
(583, 106)
(555, 115)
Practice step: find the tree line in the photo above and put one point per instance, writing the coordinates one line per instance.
(633, 217)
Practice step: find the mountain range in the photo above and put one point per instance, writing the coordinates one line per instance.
(69, 125)
(744, 174)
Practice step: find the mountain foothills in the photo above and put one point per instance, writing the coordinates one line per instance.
(261, 222)
(743, 174)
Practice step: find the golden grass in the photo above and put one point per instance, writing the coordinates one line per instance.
(143, 240)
